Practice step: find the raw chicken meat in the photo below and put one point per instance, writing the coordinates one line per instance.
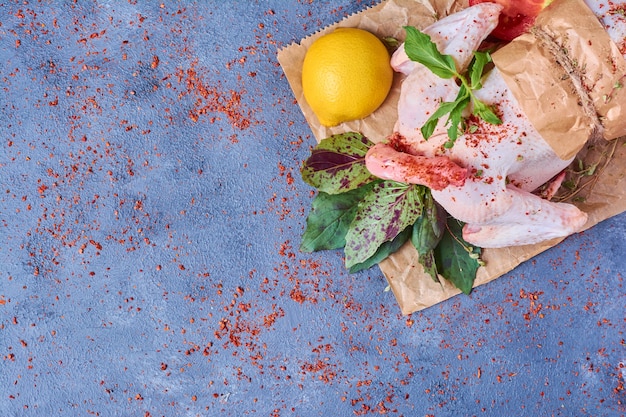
(486, 178)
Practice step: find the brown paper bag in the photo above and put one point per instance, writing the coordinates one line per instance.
(413, 288)
(566, 75)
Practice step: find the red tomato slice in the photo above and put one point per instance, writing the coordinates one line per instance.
(516, 17)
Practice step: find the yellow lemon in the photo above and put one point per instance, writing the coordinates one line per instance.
(346, 75)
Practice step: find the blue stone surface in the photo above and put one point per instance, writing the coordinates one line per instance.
(151, 210)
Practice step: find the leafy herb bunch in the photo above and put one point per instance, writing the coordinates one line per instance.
(371, 218)
(420, 48)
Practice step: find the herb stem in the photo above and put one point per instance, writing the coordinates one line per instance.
(468, 249)
(607, 156)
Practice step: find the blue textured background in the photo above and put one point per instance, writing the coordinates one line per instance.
(150, 214)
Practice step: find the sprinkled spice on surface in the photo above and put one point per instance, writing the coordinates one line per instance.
(150, 214)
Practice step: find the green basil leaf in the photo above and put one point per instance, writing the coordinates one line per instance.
(329, 219)
(420, 48)
(444, 108)
(427, 233)
(456, 114)
(383, 251)
(430, 226)
(337, 163)
(477, 67)
(389, 208)
(456, 260)
(484, 112)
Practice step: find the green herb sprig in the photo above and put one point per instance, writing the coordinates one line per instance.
(420, 48)
(370, 218)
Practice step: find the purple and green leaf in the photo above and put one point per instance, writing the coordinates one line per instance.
(330, 218)
(429, 263)
(388, 209)
(337, 164)
(371, 218)
(383, 251)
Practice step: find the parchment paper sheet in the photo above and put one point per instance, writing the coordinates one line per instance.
(413, 288)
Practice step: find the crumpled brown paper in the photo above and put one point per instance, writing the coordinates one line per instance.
(567, 75)
(413, 288)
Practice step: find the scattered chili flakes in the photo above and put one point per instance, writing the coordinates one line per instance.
(212, 99)
(96, 244)
(325, 371)
(535, 307)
